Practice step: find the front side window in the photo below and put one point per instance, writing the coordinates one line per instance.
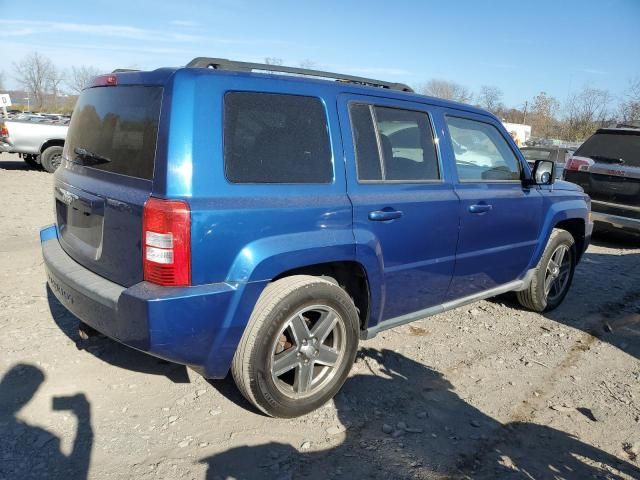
(393, 144)
(481, 152)
(273, 138)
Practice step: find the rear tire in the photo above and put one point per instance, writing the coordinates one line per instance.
(553, 274)
(51, 158)
(298, 346)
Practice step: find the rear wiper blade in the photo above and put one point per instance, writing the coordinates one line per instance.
(607, 159)
(85, 155)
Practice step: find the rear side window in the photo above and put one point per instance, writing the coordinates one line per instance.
(393, 144)
(366, 143)
(118, 126)
(481, 152)
(612, 147)
(273, 138)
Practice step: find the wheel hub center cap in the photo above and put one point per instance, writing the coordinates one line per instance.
(309, 350)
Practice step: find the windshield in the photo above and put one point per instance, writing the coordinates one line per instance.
(118, 125)
(613, 146)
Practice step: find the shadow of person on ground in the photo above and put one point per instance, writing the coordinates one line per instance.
(433, 434)
(111, 351)
(27, 451)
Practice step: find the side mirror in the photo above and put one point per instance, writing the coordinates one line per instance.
(544, 172)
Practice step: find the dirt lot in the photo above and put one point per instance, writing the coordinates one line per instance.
(485, 391)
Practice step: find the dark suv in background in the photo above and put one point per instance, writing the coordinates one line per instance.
(607, 166)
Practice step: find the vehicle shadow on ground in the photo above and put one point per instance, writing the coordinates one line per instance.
(441, 436)
(14, 165)
(604, 299)
(111, 351)
(28, 451)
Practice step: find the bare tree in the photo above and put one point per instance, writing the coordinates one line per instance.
(1, 80)
(490, 98)
(447, 90)
(308, 64)
(273, 61)
(543, 116)
(586, 111)
(80, 77)
(34, 73)
(56, 77)
(630, 105)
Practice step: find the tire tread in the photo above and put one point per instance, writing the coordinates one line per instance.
(272, 295)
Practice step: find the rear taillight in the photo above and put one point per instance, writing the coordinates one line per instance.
(575, 164)
(166, 242)
(4, 131)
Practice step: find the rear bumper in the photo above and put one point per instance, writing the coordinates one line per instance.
(198, 326)
(626, 223)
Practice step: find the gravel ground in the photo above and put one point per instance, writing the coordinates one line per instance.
(484, 391)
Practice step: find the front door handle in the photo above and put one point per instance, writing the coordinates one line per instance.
(384, 215)
(480, 208)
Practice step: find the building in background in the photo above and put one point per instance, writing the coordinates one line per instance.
(518, 131)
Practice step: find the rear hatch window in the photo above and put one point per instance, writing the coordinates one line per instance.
(617, 148)
(533, 155)
(115, 129)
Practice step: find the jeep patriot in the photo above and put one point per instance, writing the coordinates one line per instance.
(262, 220)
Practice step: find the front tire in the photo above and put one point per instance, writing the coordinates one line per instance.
(51, 158)
(553, 274)
(298, 347)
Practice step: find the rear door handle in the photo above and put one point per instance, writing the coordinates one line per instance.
(480, 208)
(384, 215)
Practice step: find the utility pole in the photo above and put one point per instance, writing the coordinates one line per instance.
(524, 116)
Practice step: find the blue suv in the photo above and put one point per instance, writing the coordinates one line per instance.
(229, 217)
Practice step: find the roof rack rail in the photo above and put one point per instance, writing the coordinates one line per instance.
(232, 65)
(123, 70)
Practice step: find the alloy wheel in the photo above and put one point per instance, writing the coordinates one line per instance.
(308, 351)
(557, 274)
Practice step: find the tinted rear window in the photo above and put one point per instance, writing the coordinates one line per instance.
(611, 147)
(536, 154)
(119, 124)
(273, 138)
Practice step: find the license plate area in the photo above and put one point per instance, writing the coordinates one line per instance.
(80, 219)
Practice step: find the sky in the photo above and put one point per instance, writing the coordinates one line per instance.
(523, 47)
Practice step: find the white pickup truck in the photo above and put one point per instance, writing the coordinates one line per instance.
(38, 143)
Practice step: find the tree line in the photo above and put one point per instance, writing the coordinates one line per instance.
(574, 119)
